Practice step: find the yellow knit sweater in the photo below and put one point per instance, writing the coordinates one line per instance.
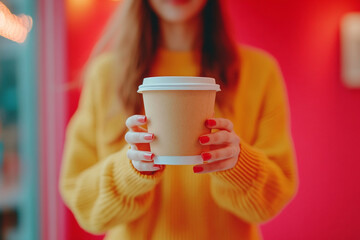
(108, 195)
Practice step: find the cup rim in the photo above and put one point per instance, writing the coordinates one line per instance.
(178, 83)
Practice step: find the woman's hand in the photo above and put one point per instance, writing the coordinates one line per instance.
(139, 139)
(224, 145)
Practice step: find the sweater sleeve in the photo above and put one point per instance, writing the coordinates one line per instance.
(264, 179)
(101, 193)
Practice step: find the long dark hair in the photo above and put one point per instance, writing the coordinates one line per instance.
(133, 33)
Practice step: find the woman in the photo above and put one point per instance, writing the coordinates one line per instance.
(114, 189)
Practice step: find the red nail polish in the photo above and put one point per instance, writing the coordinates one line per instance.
(204, 139)
(149, 136)
(157, 166)
(198, 169)
(210, 122)
(206, 156)
(149, 156)
(142, 119)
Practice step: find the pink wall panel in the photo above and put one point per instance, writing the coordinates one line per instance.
(304, 37)
(50, 27)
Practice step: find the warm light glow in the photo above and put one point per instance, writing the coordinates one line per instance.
(78, 10)
(80, 4)
(14, 27)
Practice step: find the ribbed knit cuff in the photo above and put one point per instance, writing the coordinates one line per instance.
(130, 181)
(247, 171)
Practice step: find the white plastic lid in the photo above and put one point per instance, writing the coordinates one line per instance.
(178, 83)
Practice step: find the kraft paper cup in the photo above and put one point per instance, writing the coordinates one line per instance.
(176, 109)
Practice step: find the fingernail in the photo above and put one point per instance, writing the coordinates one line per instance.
(149, 156)
(210, 122)
(149, 136)
(198, 169)
(204, 139)
(206, 156)
(142, 119)
(157, 166)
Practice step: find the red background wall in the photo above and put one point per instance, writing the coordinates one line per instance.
(85, 21)
(325, 116)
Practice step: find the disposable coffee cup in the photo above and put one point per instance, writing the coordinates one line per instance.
(176, 109)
